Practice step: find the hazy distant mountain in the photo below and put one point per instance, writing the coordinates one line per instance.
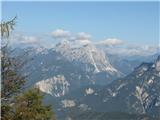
(126, 64)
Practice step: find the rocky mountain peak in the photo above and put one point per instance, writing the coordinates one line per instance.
(85, 53)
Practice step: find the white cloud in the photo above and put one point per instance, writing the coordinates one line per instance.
(60, 33)
(21, 40)
(18, 38)
(29, 40)
(119, 47)
(111, 42)
(76, 38)
(83, 36)
(131, 50)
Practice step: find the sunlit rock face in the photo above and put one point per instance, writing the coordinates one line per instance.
(86, 53)
(56, 86)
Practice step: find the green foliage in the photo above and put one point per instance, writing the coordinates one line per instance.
(12, 81)
(29, 106)
(16, 105)
(6, 27)
(6, 112)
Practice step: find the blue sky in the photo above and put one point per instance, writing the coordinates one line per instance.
(133, 22)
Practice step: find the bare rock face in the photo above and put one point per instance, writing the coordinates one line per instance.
(56, 86)
(87, 54)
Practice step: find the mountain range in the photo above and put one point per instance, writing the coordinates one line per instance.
(80, 80)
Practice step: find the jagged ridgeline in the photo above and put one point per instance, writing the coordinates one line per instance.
(134, 97)
(82, 78)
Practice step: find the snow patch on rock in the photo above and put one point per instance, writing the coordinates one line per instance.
(68, 103)
(89, 91)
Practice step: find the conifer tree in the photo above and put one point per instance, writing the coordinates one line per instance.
(15, 103)
(29, 106)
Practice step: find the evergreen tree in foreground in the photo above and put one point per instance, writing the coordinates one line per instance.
(29, 106)
(16, 104)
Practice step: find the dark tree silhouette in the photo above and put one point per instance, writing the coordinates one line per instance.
(17, 104)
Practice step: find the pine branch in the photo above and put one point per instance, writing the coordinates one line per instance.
(7, 27)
